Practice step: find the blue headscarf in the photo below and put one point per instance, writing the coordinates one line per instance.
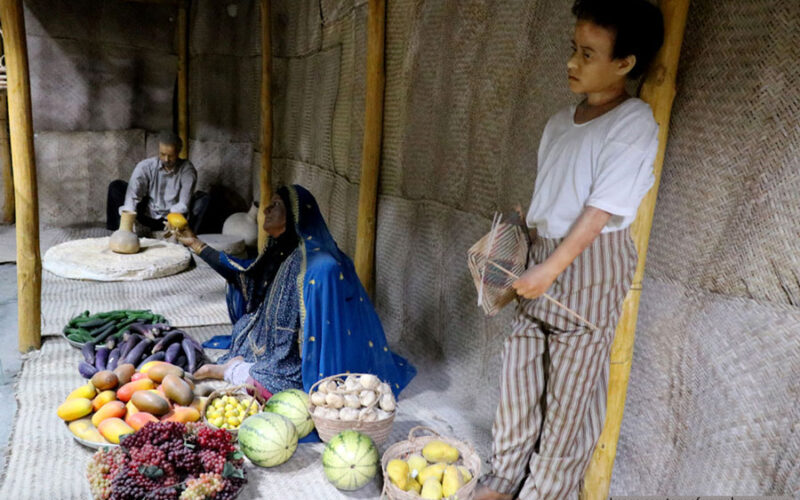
(340, 330)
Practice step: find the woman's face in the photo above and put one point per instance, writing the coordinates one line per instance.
(275, 217)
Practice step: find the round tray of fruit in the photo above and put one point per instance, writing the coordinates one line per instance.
(169, 460)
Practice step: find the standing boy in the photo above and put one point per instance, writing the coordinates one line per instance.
(594, 167)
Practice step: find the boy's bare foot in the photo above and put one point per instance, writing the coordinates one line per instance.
(484, 493)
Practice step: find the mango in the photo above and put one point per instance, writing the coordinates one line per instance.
(431, 489)
(105, 380)
(413, 485)
(124, 372)
(138, 376)
(104, 397)
(145, 368)
(438, 451)
(465, 473)
(415, 464)
(432, 471)
(199, 403)
(182, 414)
(177, 390)
(109, 410)
(85, 391)
(451, 481)
(73, 409)
(114, 428)
(397, 470)
(125, 392)
(139, 419)
(151, 402)
(131, 409)
(84, 429)
(157, 372)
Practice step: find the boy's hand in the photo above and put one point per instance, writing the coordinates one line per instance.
(535, 281)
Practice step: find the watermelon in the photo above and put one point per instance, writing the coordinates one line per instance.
(350, 460)
(292, 404)
(267, 439)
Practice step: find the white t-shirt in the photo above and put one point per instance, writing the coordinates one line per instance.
(605, 163)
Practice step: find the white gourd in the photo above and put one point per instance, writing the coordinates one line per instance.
(348, 414)
(367, 397)
(318, 398)
(352, 401)
(369, 381)
(331, 414)
(329, 386)
(334, 400)
(320, 412)
(351, 383)
(387, 403)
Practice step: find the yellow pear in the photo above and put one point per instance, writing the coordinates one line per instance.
(438, 451)
(397, 470)
(415, 464)
(413, 485)
(432, 471)
(465, 474)
(451, 480)
(431, 489)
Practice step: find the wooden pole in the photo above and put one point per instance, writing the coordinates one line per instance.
(5, 157)
(183, 76)
(659, 91)
(29, 265)
(265, 179)
(371, 150)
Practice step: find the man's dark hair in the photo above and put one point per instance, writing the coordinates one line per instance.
(638, 26)
(170, 138)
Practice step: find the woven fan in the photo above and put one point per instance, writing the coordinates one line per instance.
(496, 261)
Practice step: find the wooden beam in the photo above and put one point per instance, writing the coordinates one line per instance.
(29, 265)
(265, 177)
(7, 216)
(371, 150)
(659, 91)
(183, 76)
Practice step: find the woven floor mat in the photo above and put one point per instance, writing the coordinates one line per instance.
(45, 462)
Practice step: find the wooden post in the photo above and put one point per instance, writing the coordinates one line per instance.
(183, 76)
(371, 151)
(29, 265)
(659, 91)
(265, 178)
(5, 157)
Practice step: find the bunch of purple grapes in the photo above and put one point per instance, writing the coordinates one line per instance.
(169, 461)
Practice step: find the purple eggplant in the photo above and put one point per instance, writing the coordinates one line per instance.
(168, 340)
(191, 354)
(138, 352)
(139, 328)
(113, 359)
(181, 361)
(173, 351)
(86, 370)
(88, 352)
(159, 356)
(101, 358)
(129, 344)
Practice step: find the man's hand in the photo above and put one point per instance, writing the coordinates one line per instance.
(535, 281)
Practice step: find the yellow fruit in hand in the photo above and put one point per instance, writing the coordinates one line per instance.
(413, 485)
(431, 489)
(415, 464)
(432, 471)
(397, 470)
(176, 220)
(437, 451)
(451, 480)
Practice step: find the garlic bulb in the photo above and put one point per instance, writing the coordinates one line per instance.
(328, 387)
(368, 415)
(331, 414)
(387, 402)
(369, 381)
(334, 400)
(348, 414)
(382, 414)
(385, 388)
(321, 412)
(352, 383)
(318, 398)
(367, 397)
(352, 401)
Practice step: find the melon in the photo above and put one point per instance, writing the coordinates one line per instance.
(350, 460)
(292, 404)
(267, 439)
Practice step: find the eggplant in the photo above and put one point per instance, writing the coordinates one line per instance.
(128, 345)
(111, 343)
(181, 361)
(88, 352)
(136, 353)
(101, 358)
(169, 339)
(172, 352)
(113, 359)
(86, 370)
(139, 328)
(158, 356)
(191, 354)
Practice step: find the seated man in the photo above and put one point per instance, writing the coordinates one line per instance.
(158, 186)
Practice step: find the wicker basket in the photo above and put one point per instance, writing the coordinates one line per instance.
(402, 449)
(239, 392)
(327, 428)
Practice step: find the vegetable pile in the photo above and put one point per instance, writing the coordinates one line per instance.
(169, 461)
(100, 327)
(362, 397)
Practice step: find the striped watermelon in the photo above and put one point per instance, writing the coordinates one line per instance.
(350, 460)
(268, 439)
(292, 404)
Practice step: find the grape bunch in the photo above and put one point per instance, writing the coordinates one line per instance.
(169, 461)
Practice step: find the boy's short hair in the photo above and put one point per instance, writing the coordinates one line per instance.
(638, 25)
(170, 138)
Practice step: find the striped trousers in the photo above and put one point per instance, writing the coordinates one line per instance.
(555, 373)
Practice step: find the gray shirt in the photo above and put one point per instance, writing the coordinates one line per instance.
(167, 191)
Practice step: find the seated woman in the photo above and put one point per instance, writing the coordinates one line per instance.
(299, 311)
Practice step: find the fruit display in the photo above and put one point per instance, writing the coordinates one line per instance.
(100, 327)
(137, 344)
(356, 398)
(350, 460)
(268, 439)
(292, 404)
(113, 404)
(228, 411)
(169, 461)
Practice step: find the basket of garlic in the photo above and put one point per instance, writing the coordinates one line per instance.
(359, 402)
(430, 466)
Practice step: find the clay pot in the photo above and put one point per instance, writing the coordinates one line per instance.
(243, 225)
(124, 240)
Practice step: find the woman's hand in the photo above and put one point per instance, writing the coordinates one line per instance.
(214, 371)
(187, 238)
(535, 281)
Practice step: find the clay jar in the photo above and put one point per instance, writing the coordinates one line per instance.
(243, 225)
(124, 240)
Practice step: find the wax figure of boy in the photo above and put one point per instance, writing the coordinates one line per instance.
(158, 186)
(594, 167)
